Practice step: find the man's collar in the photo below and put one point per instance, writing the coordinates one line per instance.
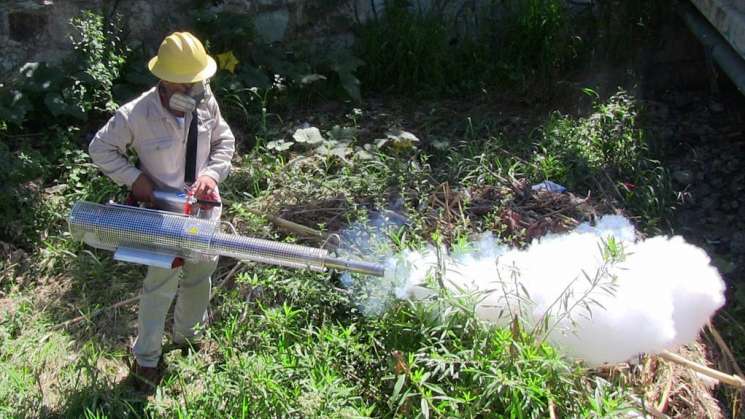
(155, 108)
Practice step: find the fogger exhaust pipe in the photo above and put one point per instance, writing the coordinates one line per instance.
(137, 231)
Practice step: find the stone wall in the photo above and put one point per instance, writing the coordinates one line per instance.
(39, 30)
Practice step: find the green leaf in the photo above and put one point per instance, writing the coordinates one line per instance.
(55, 104)
(278, 145)
(589, 92)
(399, 384)
(351, 85)
(434, 387)
(363, 154)
(341, 151)
(408, 393)
(425, 407)
(398, 139)
(441, 144)
(41, 78)
(309, 135)
(311, 78)
(344, 134)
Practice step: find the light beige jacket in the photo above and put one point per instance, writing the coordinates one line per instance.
(159, 140)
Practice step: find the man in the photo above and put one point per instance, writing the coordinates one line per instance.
(156, 126)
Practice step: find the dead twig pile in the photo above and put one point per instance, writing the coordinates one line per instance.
(511, 209)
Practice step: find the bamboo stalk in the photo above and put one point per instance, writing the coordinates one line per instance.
(725, 349)
(551, 409)
(732, 380)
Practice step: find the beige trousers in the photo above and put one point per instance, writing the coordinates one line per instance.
(191, 284)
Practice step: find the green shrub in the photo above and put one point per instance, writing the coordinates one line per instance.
(42, 168)
(606, 150)
(38, 189)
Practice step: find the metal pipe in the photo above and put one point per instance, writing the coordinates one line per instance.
(367, 268)
(136, 234)
(730, 61)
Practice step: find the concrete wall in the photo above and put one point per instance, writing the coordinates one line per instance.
(728, 17)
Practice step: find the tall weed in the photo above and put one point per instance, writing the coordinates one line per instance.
(537, 39)
(406, 50)
(413, 49)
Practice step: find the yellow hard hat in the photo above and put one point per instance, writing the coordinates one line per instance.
(182, 59)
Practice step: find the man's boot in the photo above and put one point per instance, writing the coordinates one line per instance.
(146, 379)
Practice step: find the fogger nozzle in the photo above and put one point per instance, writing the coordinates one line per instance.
(144, 235)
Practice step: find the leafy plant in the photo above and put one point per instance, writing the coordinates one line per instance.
(295, 343)
(101, 54)
(39, 188)
(301, 66)
(37, 88)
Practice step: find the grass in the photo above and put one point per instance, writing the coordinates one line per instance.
(298, 358)
(296, 343)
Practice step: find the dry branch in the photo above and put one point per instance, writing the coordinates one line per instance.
(662, 405)
(95, 313)
(551, 409)
(301, 230)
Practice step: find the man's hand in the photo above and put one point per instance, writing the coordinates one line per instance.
(142, 189)
(204, 187)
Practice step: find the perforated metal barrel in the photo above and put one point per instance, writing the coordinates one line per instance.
(111, 226)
